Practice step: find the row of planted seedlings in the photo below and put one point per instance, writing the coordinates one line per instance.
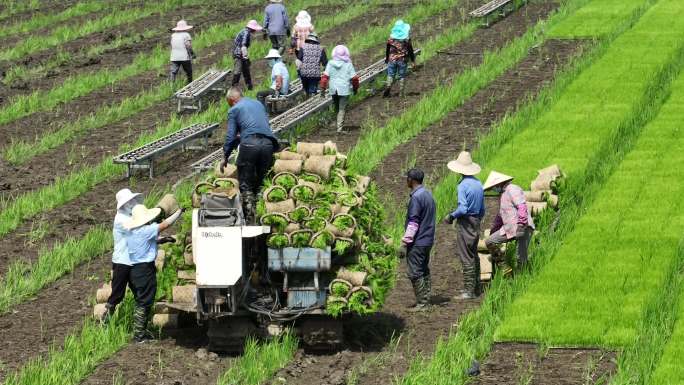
(67, 190)
(511, 58)
(477, 330)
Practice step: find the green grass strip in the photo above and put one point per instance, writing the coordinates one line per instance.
(14, 7)
(260, 361)
(596, 19)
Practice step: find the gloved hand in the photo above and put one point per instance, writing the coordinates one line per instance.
(324, 82)
(224, 164)
(448, 219)
(403, 250)
(265, 34)
(355, 81)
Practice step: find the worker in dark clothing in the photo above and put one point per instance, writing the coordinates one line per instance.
(398, 53)
(241, 61)
(248, 127)
(311, 60)
(418, 238)
(468, 216)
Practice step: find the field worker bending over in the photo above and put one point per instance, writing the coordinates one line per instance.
(241, 45)
(468, 216)
(181, 50)
(276, 25)
(340, 76)
(398, 53)
(311, 59)
(248, 127)
(121, 262)
(280, 77)
(418, 238)
(514, 221)
(142, 250)
(302, 29)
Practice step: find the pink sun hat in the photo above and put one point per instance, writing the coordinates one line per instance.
(254, 26)
(181, 26)
(341, 53)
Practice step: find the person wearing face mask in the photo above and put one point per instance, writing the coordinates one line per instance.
(468, 216)
(249, 128)
(121, 263)
(280, 77)
(514, 222)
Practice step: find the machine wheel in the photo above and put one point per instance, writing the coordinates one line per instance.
(321, 333)
(228, 334)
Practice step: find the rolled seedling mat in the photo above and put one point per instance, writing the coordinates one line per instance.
(543, 183)
(309, 177)
(324, 212)
(343, 288)
(336, 299)
(301, 238)
(300, 213)
(310, 149)
(226, 183)
(278, 240)
(316, 224)
(348, 199)
(348, 229)
(292, 227)
(187, 275)
(187, 255)
(294, 166)
(99, 311)
(553, 200)
(317, 187)
(286, 180)
(356, 278)
(285, 206)
(363, 289)
(553, 171)
(161, 258)
(535, 196)
(168, 204)
(536, 207)
(165, 320)
(362, 184)
(200, 188)
(342, 241)
(275, 194)
(341, 160)
(161, 308)
(339, 178)
(485, 263)
(337, 232)
(303, 193)
(330, 147)
(103, 293)
(322, 239)
(321, 165)
(289, 155)
(482, 246)
(184, 293)
(230, 171)
(277, 221)
(339, 209)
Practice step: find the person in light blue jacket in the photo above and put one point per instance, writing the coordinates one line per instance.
(341, 79)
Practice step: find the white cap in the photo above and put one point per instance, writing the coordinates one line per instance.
(273, 54)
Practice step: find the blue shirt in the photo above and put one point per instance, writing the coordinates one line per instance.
(275, 20)
(421, 210)
(470, 198)
(142, 243)
(243, 38)
(246, 118)
(279, 68)
(120, 254)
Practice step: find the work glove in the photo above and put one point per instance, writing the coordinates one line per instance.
(265, 34)
(355, 81)
(448, 219)
(403, 250)
(224, 164)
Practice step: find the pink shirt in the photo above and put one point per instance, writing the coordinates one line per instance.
(300, 34)
(513, 211)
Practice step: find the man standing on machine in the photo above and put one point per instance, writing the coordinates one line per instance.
(248, 127)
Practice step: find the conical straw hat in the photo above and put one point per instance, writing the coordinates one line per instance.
(464, 164)
(496, 178)
(141, 215)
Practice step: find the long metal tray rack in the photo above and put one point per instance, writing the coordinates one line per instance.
(494, 9)
(297, 114)
(143, 157)
(190, 96)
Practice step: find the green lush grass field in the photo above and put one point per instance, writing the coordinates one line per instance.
(670, 370)
(596, 19)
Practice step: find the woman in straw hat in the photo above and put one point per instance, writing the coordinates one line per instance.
(468, 215)
(514, 221)
(181, 50)
(142, 250)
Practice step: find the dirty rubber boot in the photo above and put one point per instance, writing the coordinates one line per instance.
(469, 282)
(340, 120)
(428, 288)
(249, 208)
(419, 289)
(140, 332)
(402, 87)
(388, 88)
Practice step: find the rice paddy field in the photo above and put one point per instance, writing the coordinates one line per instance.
(594, 86)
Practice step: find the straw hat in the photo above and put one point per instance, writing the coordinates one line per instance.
(124, 196)
(181, 26)
(141, 216)
(273, 54)
(495, 179)
(253, 25)
(464, 164)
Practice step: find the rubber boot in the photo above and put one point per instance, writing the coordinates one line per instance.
(236, 80)
(249, 208)
(419, 289)
(469, 283)
(340, 119)
(140, 332)
(402, 87)
(428, 288)
(388, 87)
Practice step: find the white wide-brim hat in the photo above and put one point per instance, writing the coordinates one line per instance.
(124, 196)
(273, 54)
(141, 215)
(495, 179)
(464, 164)
(181, 26)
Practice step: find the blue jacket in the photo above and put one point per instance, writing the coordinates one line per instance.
(340, 74)
(421, 210)
(246, 118)
(275, 20)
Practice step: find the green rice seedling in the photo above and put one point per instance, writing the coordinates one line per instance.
(278, 241)
(260, 361)
(596, 19)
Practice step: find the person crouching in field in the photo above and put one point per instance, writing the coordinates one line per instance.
(181, 50)
(398, 53)
(142, 249)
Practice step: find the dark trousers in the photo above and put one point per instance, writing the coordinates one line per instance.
(144, 278)
(310, 85)
(278, 42)
(121, 277)
(187, 68)
(262, 95)
(254, 160)
(466, 246)
(241, 67)
(418, 262)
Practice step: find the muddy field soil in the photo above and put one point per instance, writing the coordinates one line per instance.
(513, 363)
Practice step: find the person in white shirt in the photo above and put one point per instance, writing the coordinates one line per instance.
(280, 77)
(181, 50)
